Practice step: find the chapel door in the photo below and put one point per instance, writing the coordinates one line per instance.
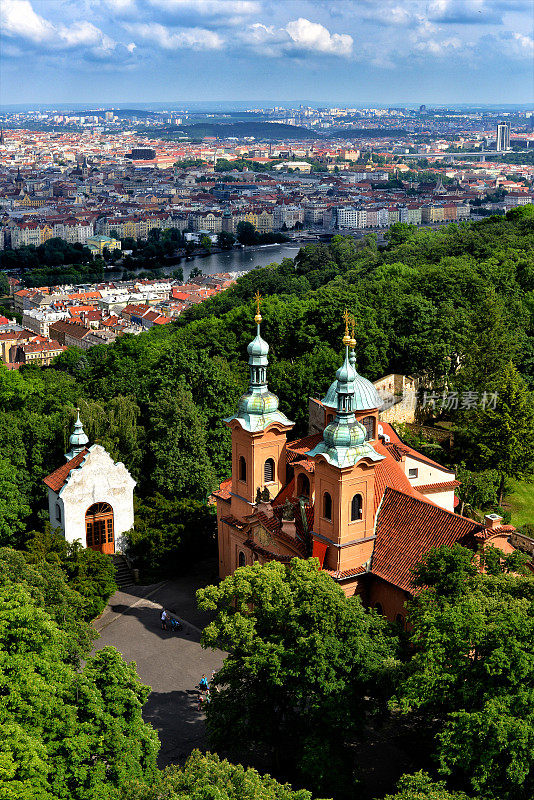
(99, 528)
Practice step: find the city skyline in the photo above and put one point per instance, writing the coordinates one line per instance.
(401, 52)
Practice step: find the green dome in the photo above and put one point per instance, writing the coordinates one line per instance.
(345, 377)
(255, 403)
(365, 395)
(341, 434)
(258, 347)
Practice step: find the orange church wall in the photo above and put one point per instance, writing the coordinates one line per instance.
(391, 599)
(256, 448)
(342, 485)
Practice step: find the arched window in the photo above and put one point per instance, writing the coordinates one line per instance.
(99, 528)
(303, 486)
(241, 559)
(329, 418)
(369, 425)
(356, 508)
(58, 512)
(268, 471)
(378, 607)
(327, 506)
(242, 469)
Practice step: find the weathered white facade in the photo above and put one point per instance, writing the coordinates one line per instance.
(97, 479)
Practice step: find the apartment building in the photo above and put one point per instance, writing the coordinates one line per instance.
(350, 217)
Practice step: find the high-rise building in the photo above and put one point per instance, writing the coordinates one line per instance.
(503, 136)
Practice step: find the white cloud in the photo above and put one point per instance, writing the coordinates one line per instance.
(209, 8)
(313, 36)
(191, 38)
(18, 19)
(434, 47)
(297, 36)
(524, 45)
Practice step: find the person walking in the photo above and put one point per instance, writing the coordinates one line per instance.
(163, 618)
(203, 684)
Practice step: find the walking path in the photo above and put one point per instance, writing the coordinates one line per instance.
(170, 663)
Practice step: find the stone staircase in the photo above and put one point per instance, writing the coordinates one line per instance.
(123, 574)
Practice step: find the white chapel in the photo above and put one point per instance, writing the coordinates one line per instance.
(90, 497)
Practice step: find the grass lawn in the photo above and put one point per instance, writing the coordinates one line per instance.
(520, 500)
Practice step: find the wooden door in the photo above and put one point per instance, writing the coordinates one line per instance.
(99, 528)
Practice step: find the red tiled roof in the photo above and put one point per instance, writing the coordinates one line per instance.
(57, 478)
(234, 522)
(389, 473)
(339, 575)
(287, 493)
(437, 487)
(223, 492)
(406, 528)
(302, 446)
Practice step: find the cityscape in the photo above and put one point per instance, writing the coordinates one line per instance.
(267, 399)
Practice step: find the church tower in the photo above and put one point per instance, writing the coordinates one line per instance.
(259, 431)
(344, 479)
(259, 435)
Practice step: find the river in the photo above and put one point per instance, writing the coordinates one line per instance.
(241, 260)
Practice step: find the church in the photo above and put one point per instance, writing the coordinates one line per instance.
(90, 497)
(352, 494)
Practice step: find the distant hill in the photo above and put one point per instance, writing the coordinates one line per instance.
(260, 130)
(364, 133)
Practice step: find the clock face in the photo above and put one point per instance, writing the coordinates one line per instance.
(263, 536)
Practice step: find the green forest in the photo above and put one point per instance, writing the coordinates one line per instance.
(298, 700)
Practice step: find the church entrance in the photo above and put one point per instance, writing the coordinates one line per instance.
(99, 528)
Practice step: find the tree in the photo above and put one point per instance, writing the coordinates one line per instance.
(205, 775)
(301, 659)
(421, 787)
(246, 233)
(181, 465)
(88, 572)
(205, 242)
(4, 285)
(399, 233)
(225, 240)
(477, 490)
(501, 434)
(170, 534)
(66, 732)
(14, 508)
(472, 669)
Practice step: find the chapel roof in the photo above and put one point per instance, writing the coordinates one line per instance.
(58, 478)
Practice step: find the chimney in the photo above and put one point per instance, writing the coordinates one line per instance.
(289, 528)
(492, 521)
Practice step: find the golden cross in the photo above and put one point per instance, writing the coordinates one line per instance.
(257, 298)
(346, 317)
(352, 324)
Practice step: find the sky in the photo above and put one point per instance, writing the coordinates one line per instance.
(345, 52)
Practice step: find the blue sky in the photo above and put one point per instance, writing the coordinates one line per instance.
(346, 52)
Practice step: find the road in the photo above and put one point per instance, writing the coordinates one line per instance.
(171, 664)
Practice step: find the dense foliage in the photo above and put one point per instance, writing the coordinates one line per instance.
(473, 667)
(309, 672)
(207, 776)
(68, 732)
(305, 666)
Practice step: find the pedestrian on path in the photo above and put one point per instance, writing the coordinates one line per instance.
(163, 618)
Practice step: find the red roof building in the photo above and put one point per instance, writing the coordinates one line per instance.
(351, 493)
